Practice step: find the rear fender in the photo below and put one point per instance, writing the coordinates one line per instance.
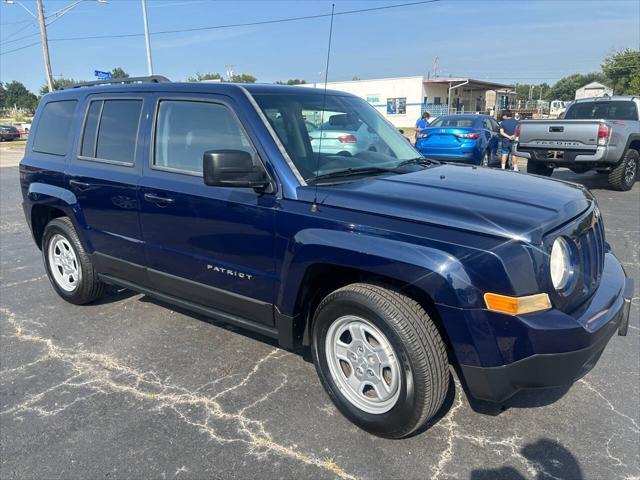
(61, 199)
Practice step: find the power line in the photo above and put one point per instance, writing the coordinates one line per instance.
(233, 25)
(20, 48)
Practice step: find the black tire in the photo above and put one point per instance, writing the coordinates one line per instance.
(89, 287)
(538, 168)
(419, 348)
(624, 175)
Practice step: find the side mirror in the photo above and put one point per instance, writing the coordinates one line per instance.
(233, 168)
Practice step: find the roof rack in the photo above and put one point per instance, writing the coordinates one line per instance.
(149, 79)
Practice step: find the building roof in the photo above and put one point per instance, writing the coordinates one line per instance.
(594, 85)
(472, 82)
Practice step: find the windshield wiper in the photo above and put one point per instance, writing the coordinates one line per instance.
(418, 161)
(347, 172)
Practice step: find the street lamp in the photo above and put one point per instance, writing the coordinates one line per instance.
(43, 29)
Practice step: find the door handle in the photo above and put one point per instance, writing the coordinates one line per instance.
(157, 199)
(80, 185)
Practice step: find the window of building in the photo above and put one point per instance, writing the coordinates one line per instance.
(397, 106)
(53, 132)
(111, 130)
(186, 129)
(437, 100)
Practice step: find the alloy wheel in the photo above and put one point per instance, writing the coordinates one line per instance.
(363, 364)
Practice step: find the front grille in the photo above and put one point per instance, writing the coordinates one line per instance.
(587, 235)
(590, 247)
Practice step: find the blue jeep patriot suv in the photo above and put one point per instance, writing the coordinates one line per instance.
(389, 266)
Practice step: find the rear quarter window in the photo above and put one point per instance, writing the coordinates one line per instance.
(111, 130)
(53, 132)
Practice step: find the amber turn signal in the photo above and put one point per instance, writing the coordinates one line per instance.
(517, 305)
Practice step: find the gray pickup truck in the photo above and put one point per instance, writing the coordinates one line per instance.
(601, 134)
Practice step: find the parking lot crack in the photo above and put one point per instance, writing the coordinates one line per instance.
(631, 422)
(93, 374)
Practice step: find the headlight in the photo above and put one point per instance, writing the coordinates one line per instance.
(560, 264)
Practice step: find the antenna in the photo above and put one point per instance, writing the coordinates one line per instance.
(314, 205)
(434, 67)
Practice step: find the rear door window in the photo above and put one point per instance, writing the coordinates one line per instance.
(53, 132)
(111, 130)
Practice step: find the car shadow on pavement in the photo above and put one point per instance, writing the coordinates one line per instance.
(591, 180)
(115, 294)
(549, 458)
(212, 321)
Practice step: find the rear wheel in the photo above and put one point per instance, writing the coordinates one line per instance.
(68, 266)
(380, 358)
(624, 175)
(538, 168)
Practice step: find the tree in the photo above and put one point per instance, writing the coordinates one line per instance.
(524, 89)
(200, 77)
(2, 95)
(243, 78)
(240, 78)
(17, 95)
(622, 70)
(355, 77)
(292, 81)
(118, 72)
(565, 88)
(59, 84)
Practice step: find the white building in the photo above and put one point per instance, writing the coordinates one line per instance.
(403, 99)
(593, 89)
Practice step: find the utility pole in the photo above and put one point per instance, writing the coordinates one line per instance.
(434, 67)
(45, 45)
(146, 37)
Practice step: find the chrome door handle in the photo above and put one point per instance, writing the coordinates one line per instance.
(157, 199)
(80, 185)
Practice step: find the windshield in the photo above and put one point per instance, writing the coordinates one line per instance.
(452, 122)
(347, 134)
(607, 110)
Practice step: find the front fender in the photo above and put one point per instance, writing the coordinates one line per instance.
(437, 273)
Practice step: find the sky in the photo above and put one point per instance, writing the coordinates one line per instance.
(509, 42)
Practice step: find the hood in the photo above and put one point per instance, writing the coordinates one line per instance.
(494, 202)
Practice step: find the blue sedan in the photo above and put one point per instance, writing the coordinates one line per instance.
(460, 138)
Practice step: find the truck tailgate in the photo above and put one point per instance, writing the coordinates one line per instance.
(560, 134)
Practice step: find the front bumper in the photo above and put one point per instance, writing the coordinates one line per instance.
(556, 356)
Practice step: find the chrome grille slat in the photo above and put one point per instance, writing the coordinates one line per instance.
(591, 253)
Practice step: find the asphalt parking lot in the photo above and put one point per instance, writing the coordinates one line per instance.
(131, 388)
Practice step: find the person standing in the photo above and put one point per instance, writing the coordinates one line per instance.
(423, 122)
(508, 128)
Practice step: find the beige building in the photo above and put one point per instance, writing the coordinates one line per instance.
(403, 99)
(593, 89)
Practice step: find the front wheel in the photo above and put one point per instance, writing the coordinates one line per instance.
(624, 175)
(539, 168)
(380, 358)
(68, 266)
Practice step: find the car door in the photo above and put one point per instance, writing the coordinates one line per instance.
(494, 130)
(104, 177)
(212, 246)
